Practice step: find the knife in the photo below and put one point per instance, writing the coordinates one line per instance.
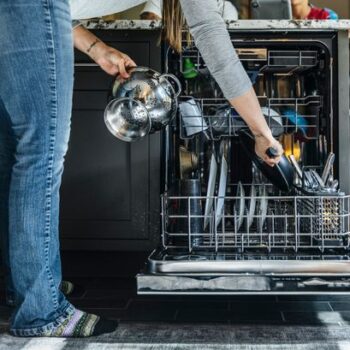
(296, 166)
(335, 185)
(328, 167)
(330, 180)
(308, 180)
(318, 178)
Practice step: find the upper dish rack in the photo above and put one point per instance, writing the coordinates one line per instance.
(216, 119)
(282, 61)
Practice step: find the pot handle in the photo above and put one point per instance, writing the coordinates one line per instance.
(169, 77)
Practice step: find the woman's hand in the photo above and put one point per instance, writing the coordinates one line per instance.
(111, 60)
(263, 143)
(249, 109)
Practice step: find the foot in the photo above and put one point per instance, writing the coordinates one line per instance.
(70, 289)
(67, 288)
(82, 324)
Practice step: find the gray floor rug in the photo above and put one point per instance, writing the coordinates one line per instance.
(171, 336)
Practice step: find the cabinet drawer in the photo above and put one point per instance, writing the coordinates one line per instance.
(91, 77)
(90, 100)
(105, 190)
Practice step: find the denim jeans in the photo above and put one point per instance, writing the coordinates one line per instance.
(36, 82)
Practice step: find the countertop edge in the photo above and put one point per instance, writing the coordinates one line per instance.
(339, 25)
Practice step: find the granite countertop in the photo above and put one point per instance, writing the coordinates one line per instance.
(122, 24)
(239, 25)
(290, 24)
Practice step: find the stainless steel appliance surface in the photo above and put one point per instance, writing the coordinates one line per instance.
(145, 102)
(250, 236)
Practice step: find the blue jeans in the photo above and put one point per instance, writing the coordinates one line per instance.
(36, 82)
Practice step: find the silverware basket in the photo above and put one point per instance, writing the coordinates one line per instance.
(323, 217)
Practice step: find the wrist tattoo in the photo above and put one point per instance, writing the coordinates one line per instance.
(92, 45)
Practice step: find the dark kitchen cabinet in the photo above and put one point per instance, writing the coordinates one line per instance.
(110, 189)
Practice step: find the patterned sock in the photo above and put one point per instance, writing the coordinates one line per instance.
(81, 324)
(67, 287)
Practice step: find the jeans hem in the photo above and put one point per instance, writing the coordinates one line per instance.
(44, 330)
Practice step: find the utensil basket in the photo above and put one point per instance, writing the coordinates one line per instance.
(323, 217)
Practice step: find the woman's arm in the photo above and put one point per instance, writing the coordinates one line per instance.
(109, 59)
(214, 43)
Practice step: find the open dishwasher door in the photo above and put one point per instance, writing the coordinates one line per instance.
(225, 228)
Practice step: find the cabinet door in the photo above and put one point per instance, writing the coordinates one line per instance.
(110, 189)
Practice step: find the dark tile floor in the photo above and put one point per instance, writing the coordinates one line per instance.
(107, 287)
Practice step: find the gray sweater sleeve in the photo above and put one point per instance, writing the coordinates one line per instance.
(213, 41)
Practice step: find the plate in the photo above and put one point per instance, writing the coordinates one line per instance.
(252, 205)
(274, 120)
(222, 192)
(240, 205)
(263, 205)
(210, 190)
(192, 117)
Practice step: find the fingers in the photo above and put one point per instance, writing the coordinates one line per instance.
(273, 161)
(122, 69)
(121, 62)
(129, 62)
(269, 161)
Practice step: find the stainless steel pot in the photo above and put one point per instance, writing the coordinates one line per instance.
(146, 102)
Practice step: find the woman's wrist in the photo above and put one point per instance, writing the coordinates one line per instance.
(88, 43)
(262, 131)
(97, 50)
(94, 43)
(267, 134)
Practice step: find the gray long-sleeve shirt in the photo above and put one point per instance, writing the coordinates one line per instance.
(213, 41)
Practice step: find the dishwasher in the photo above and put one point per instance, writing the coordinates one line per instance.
(226, 228)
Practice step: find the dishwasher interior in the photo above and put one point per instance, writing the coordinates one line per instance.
(226, 228)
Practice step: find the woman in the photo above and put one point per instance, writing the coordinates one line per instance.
(36, 70)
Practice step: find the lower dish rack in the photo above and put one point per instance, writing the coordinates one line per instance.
(259, 222)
